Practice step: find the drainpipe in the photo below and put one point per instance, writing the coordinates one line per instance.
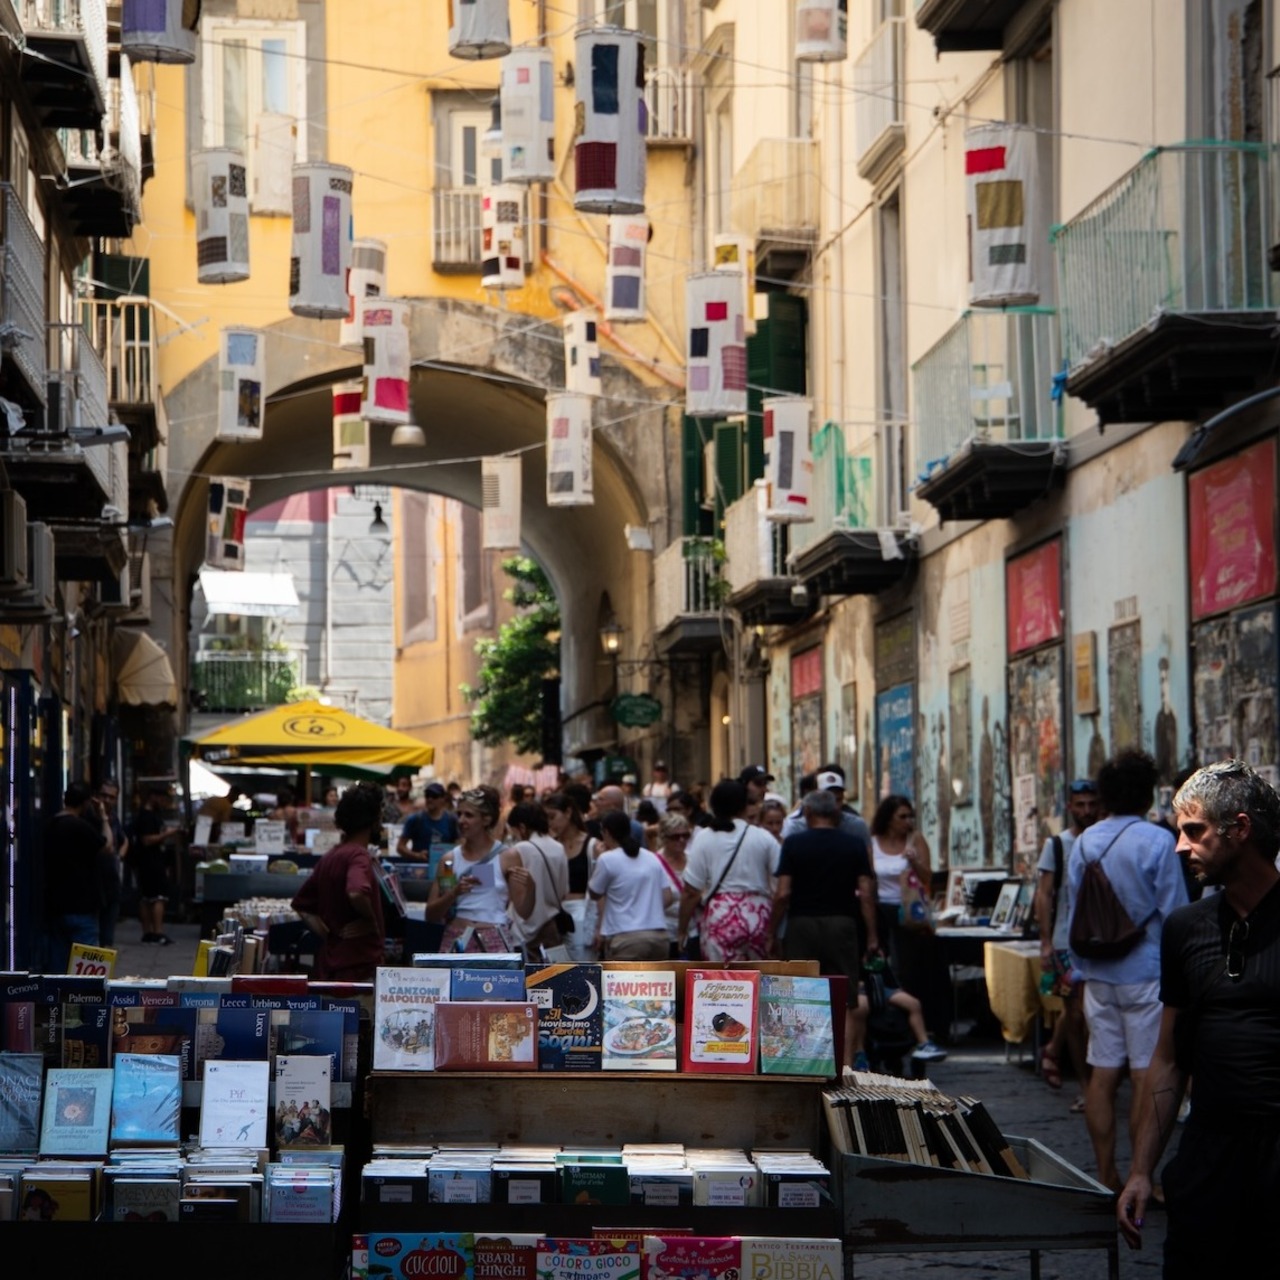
(836, 297)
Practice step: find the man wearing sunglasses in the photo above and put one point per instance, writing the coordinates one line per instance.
(1220, 986)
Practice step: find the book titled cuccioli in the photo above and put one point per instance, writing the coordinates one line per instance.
(486, 1036)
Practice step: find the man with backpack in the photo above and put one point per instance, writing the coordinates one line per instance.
(1124, 880)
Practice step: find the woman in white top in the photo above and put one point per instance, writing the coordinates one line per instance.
(674, 833)
(896, 847)
(544, 859)
(478, 878)
(630, 884)
(730, 874)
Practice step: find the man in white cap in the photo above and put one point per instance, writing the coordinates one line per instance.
(829, 778)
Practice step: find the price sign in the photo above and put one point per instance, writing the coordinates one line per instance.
(99, 962)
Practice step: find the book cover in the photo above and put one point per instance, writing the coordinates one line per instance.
(764, 1257)
(269, 984)
(146, 1099)
(19, 993)
(350, 1008)
(233, 1104)
(415, 1254)
(311, 1032)
(303, 1101)
(607, 1184)
(87, 1035)
(796, 1036)
(145, 1199)
(77, 1112)
(639, 1019)
(152, 1027)
(298, 1194)
(472, 984)
(21, 1078)
(469, 960)
(244, 1188)
(241, 1034)
(570, 1015)
(48, 1197)
(560, 1259)
(505, 1257)
(721, 1017)
(692, 1257)
(208, 1209)
(459, 1182)
(58, 991)
(486, 1037)
(405, 1001)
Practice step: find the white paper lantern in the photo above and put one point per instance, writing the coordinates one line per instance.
(385, 325)
(321, 240)
(275, 146)
(350, 430)
(582, 353)
(624, 273)
(528, 116)
(788, 459)
(502, 253)
(366, 279)
(242, 368)
(154, 31)
(220, 196)
(228, 513)
(738, 253)
(822, 30)
(716, 370)
(569, 451)
(500, 503)
(609, 147)
(479, 29)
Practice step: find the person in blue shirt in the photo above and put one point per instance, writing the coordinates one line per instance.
(430, 831)
(1122, 995)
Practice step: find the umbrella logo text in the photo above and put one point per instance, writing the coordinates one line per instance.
(313, 727)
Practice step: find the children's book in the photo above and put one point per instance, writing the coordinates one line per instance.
(487, 1036)
(414, 1254)
(560, 1259)
(77, 1112)
(233, 1104)
(404, 1011)
(570, 1015)
(303, 1100)
(21, 1078)
(639, 1019)
(506, 1256)
(721, 1012)
(146, 1099)
(795, 1026)
(692, 1258)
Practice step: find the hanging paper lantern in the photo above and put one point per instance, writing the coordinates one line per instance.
(159, 30)
(738, 253)
(624, 273)
(569, 451)
(479, 29)
(788, 459)
(717, 350)
(609, 147)
(502, 229)
(350, 430)
(500, 503)
(241, 382)
(275, 146)
(220, 197)
(528, 116)
(228, 512)
(385, 325)
(1006, 176)
(321, 240)
(581, 353)
(366, 279)
(822, 30)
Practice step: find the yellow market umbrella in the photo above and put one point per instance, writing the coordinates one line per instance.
(310, 733)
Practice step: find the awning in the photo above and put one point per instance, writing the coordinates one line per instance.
(144, 675)
(251, 595)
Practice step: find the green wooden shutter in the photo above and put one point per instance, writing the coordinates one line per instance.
(777, 361)
(729, 463)
(696, 432)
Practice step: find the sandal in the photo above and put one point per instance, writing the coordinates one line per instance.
(1077, 1106)
(1049, 1070)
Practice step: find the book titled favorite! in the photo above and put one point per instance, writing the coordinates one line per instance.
(639, 1019)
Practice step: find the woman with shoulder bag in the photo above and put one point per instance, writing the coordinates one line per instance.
(567, 825)
(674, 834)
(631, 886)
(544, 859)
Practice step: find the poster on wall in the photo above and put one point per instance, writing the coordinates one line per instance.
(1036, 750)
(895, 741)
(1033, 597)
(1211, 690)
(1231, 508)
(1124, 684)
(807, 744)
(960, 710)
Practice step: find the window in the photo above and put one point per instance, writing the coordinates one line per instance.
(473, 570)
(461, 170)
(649, 17)
(895, 469)
(418, 569)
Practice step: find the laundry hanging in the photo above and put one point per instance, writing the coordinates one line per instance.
(321, 240)
(479, 29)
(220, 198)
(242, 379)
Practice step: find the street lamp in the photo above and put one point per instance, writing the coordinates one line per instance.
(611, 638)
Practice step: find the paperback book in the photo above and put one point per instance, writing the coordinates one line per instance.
(415, 1254)
(639, 1019)
(46, 1196)
(721, 1015)
(310, 1032)
(813, 1259)
(158, 1028)
(146, 1099)
(570, 1015)
(233, 1104)
(560, 1259)
(240, 1033)
(296, 1193)
(692, 1257)
(405, 1003)
(303, 1100)
(795, 1026)
(138, 1199)
(486, 1037)
(87, 1035)
(77, 1112)
(19, 993)
(506, 1257)
(21, 1078)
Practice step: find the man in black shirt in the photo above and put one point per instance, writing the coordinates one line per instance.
(74, 884)
(150, 835)
(1220, 986)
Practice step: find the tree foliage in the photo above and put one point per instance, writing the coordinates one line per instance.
(508, 698)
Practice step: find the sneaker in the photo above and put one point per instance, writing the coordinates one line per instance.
(164, 940)
(928, 1052)
(861, 1062)
(150, 937)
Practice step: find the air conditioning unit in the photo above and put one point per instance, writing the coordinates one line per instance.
(36, 603)
(13, 541)
(114, 597)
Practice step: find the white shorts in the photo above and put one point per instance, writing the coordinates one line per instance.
(1124, 1023)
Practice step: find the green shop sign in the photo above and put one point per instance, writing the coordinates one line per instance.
(636, 710)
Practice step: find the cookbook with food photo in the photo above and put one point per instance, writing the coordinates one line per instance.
(639, 1020)
(722, 1010)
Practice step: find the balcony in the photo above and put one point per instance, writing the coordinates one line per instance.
(456, 230)
(1167, 303)
(988, 432)
(755, 567)
(687, 593)
(103, 195)
(851, 548)
(879, 77)
(960, 25)
(10, 21)
(248, 680)
(65, 70)
(22, 272)
(668, 100)
(775, 199)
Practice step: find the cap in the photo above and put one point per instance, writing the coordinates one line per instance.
(830, 780)
(630, 777)
(755, 773)
(434, 789)
(660, 764)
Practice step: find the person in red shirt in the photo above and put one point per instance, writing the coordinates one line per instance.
(341, 901)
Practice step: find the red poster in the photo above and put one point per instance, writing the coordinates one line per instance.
(1232, 507)
(1033, 597)
(806, 673)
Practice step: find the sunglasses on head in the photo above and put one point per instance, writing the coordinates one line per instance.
(1083, 787)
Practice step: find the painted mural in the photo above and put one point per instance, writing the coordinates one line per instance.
(895, 741)
(1037, 760)
(1124, 684)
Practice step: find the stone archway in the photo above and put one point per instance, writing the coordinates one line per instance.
(478, 388)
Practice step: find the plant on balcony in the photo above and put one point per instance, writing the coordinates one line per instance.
(508, 698)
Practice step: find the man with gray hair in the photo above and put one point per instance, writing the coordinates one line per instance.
(1220, 988)
(612, 797)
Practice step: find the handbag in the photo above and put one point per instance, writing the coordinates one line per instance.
(564, 921)
(915, 911)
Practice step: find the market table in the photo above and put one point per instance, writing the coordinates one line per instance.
(1013, 989)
